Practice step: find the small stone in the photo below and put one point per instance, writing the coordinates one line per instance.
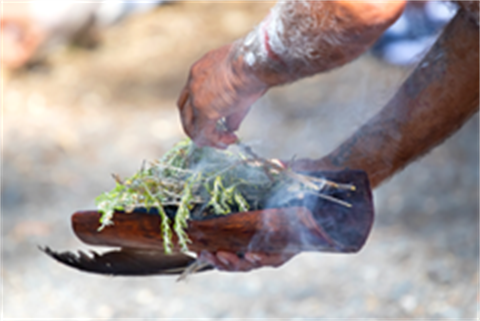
(408, 303)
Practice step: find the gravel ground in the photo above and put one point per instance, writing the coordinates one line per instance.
(69, 124)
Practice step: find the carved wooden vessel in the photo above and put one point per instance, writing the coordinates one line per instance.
(310, 224)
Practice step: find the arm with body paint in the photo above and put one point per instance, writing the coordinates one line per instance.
(296, 40)
(440, 95)
(421, 115)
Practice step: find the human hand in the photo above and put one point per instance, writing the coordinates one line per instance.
(220, 86)
(20, 33)
(228, 261)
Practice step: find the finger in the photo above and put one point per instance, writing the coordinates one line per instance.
(208, 257)
(222, 262)
(196, 125)
(206, 133)
(234, 120)
(219, 263)
(187, 118)
(229, 260)
(225, 139)
(201, 129)
(263, 259)
(253, 258)
(234, 263)
(182, 99)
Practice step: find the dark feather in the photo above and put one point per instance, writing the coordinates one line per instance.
(128, 262)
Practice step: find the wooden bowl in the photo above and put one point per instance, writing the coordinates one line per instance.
(310, 224)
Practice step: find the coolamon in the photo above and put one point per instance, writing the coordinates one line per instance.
(310, 224)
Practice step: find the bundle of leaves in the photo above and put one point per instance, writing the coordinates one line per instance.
(203, 181)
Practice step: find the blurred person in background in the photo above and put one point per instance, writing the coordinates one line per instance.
(404, 42)
(299, 39)
(29, 30)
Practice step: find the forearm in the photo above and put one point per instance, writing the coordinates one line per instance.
(434, 102)
(297, 39)
(301, 38)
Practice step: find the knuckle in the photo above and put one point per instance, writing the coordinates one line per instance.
(197, 68)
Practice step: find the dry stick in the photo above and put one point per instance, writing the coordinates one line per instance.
(298, 176)
(306, 180)
(117, 178)
(332, 199)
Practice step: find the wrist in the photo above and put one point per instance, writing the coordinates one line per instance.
(300, 39)
(248, 75)
(257, 57)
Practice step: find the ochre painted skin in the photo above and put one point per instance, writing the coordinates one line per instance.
(20, 34)
(433, 103)
(420, 116)
(297, 39)
(301, 38)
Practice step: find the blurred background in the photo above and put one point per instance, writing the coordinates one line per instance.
(106, 101)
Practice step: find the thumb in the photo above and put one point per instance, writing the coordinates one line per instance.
(234, 120)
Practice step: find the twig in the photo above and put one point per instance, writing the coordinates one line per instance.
(308, 181)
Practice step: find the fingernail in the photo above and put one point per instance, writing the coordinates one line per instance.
(252, 258)
(223, 260)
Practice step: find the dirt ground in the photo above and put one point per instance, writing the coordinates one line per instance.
(87, 113)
